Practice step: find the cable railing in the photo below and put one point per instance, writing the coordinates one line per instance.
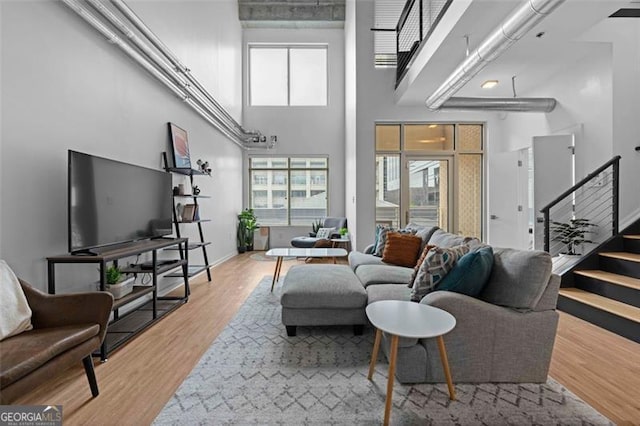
(417, 21)
(585, 215)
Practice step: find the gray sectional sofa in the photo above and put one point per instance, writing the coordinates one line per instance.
(504, 335)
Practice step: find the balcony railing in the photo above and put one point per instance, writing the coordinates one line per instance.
(416, 23)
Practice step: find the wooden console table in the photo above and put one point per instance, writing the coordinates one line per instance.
(124, 327)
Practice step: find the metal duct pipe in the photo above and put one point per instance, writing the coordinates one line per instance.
(146, 31)
(501, 104)
(142, 61)
(160, 63)
(517, 24)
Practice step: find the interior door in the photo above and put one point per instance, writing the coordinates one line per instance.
(553, 173)
(427, 191)
(508, 200)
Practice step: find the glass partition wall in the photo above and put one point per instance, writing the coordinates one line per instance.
(430, 174)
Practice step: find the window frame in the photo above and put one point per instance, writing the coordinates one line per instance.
(288, 47)
(288, 170)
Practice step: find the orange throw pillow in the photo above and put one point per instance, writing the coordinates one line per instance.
(401, 249)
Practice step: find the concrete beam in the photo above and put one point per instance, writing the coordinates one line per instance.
(291, 10)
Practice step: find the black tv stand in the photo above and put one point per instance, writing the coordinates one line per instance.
(125, 326)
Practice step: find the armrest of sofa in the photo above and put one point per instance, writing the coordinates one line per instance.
(67, 309)
(495, 343)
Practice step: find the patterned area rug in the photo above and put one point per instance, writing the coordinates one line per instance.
(254, 374)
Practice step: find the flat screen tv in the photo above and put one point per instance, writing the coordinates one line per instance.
(111, 202)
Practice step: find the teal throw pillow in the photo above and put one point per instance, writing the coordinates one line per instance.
(470, 274)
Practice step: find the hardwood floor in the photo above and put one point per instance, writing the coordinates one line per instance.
(137, 380)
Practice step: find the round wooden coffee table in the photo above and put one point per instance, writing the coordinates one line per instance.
(408, 319)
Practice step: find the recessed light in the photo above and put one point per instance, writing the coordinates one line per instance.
(489, 84)
(433, 126)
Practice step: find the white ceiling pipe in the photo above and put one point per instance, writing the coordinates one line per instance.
(160, 63)
(113, 38)
(501, 104)
(155, 40)
(518, 23)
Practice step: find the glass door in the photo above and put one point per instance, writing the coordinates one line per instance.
(427, 190)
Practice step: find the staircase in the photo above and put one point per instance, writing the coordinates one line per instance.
(602, 287)
(607, 291)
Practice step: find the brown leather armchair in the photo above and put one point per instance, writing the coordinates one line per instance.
(66, 329)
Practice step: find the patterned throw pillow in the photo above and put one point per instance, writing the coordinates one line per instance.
(381, 239)
(416, 267)
(438, 262)
(401, 249)
(325, 233)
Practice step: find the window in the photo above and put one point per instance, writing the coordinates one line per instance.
(430, 174)
(288, 191)
(287, 75)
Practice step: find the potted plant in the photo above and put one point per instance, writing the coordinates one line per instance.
(247, 224)
(315, 226)
(572, 234)
(344, 232)
(118, 283)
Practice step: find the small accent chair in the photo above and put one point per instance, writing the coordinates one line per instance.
(310, 242)
(67, 328)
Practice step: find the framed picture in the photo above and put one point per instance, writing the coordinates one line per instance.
(179, 147)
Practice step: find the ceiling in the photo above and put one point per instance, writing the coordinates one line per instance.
(532, 59)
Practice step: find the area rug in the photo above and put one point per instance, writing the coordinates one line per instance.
(254, 374)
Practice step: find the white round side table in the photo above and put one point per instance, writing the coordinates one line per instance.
(408, 319)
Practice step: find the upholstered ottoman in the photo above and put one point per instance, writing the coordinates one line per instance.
(322, 295)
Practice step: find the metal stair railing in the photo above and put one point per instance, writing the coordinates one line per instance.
(417, 21)
(585, 214)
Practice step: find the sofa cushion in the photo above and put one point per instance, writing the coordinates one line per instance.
(383, 274)
(425, 234)
(518, 278)
(381, 238)
(27, 351)
(380, 292)
(322, 287)
(401, 249)
(442, 238)
(439, 261)
(15, 313)
(470, 273)
(357, 259)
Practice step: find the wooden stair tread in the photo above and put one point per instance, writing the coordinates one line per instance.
(610, 277)
(608, 305)
(633, 257)
(632, 237)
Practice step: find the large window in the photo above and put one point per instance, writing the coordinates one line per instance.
(430, 174)
(287, 75)
(288, 191)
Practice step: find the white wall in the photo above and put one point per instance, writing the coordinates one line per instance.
(600, 93)
(375, 100)
(583, 91)
(306, 130)
(65, 87)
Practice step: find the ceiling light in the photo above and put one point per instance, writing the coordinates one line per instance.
(489, 84)
(433, 126)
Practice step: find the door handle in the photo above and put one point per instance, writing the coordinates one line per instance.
(540, 219)
(493, 217)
